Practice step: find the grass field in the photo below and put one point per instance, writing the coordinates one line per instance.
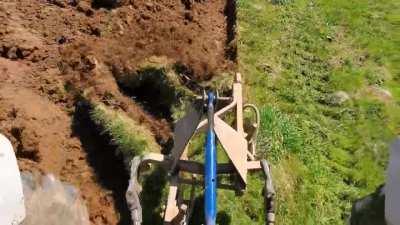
(326, 76)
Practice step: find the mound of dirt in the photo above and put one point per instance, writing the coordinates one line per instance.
(54, 50)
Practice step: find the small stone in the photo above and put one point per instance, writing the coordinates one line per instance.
(380, 92)
(12, 53)
(338, 98)
(26, 53)
(384, 92)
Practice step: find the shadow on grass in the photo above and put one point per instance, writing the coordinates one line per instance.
(223, 218)
(152, 196)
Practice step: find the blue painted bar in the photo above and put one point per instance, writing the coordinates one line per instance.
(210, 173)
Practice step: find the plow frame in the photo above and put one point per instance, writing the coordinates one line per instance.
(238, 145)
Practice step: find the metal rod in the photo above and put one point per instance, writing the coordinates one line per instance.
(201, 183)
(222, 168)
(210, 178)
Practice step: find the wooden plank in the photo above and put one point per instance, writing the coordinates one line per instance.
(172, 210)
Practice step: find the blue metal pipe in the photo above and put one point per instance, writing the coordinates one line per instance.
(210, 173)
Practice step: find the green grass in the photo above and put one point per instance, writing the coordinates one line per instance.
(277, 134)
(295, 57)
(129, 136)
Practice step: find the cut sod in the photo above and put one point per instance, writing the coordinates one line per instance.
(130, 137)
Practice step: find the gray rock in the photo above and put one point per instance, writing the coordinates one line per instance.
(12, 53)
(48, 194)
(338, 98)
(381, 93)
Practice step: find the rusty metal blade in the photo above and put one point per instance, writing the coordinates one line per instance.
(234, 144)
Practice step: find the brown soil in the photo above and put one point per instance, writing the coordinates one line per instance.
(52, 49)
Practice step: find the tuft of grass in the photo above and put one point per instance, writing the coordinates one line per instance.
(130, 137)
(278, 135)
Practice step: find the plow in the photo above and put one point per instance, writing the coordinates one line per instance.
(239, 143)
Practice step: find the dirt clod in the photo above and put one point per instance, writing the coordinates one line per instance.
(27, 147)
(60, 3)
(85, 8)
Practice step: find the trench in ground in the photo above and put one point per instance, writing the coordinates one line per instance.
(101, 156)
(151, 90)
(110, 168)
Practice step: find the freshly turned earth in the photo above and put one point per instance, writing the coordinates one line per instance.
(51, 50)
